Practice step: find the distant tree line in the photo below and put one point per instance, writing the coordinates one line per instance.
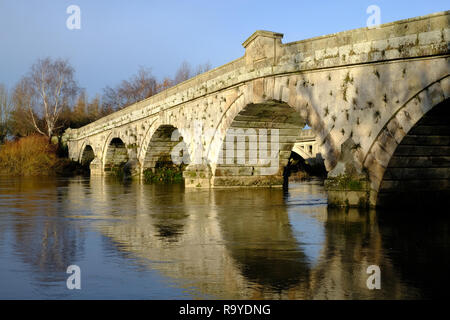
(48, 100)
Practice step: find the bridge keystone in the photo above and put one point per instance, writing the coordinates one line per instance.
(262, 45)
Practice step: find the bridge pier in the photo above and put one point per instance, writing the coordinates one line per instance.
(247, 181)
(133, 168)
(96, 167)
(348, 191)
(197, 176)
(348, 184)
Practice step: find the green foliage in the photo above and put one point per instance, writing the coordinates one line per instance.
(345, 182)
(164, 174)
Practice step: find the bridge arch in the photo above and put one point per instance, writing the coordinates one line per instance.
(115, 154)
(159, 150)
(271, 95)
(258, 144)
(81, 150)
(87, 154)
(382, 160)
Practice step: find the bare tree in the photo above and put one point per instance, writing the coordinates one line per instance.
(144, 85)
(184, 73)
(137, 88)
(79, 112)
(202, 68)
(21, 124)
(165, 84)
(47, 88)
(5, 112)
(111, 99)
(94, 109)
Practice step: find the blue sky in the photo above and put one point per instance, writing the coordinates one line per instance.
(116, 37)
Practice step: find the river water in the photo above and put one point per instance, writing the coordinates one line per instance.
(137, 241)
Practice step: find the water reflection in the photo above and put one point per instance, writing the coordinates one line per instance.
(419, 248)
(258, 236)
(40, 236)
(226, 244)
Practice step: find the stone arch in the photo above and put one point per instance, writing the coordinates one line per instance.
(87, 154)
(80, 151)
(153, 128)
(276, 91)
(163, 139)
(113, 134)
(302, 153)
(258, 144)
(115, 153)
(146, 140)
(397, 128)
(269, 90)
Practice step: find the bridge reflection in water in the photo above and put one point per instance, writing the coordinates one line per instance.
(220, 243)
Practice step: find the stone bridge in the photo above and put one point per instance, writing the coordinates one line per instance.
(376, 100)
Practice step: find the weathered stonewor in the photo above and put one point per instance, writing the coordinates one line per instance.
(360, 91)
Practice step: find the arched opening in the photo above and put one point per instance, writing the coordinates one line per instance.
(116, 156)
(258, 146)
(418, 173)
(87, 156)
(305, 162)
(167, 156)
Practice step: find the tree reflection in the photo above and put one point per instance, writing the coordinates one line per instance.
(44, 238)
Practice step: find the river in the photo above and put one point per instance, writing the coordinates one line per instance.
(137, 241)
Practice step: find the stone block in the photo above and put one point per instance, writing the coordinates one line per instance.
(363, 47)
(348, 199)
(380, 45)
(319, 54)
(431, 37)
(380, 154)
(345, 50)
(408, 40)
(396, 130)
(392, 54)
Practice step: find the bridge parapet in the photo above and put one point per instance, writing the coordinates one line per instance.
(306, 135)
(415, 37)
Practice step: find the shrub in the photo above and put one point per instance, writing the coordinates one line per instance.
(163, 175)
(29, 156)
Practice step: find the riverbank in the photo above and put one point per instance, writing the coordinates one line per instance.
(35, 156)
